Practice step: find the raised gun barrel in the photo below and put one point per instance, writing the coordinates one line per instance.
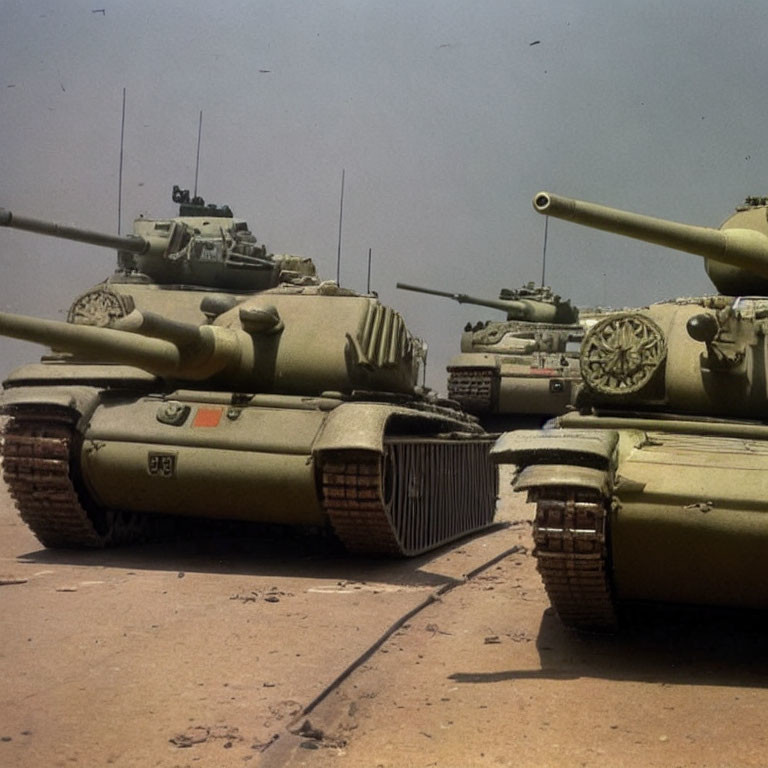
(516, 309)
(131, 243)
(735, 255)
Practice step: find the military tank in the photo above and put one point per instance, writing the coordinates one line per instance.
(170, 265)
(520, 370)
(655, 488)
(293, 404)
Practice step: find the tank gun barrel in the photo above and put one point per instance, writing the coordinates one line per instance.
(164, 348)
(130, 243)
(743, 248)
(462, 298)
(510, 307)
(516, 309)
(432, 291)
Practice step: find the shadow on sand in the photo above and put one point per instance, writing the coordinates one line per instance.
(667, 645)
(210, 546)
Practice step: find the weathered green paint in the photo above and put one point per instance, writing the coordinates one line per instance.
(544, 392)
(582, 447)
(680, 389)
(208, 482)
(521, 367)
(551, 475)
(282, 430)
(56, 371)
(736, 255)
(682, 425)
(691, 523)
(362, 426)
(209, 378)
(349, 349)
(540, 307)
(214, 250)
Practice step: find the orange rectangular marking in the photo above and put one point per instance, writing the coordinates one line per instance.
(207, 417)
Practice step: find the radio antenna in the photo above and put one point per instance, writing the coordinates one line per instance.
(341, 214)
(197, 161)
(120, 172)
(544, 253)
(368, 289)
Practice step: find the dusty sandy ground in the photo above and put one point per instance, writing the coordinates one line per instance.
(222, 652)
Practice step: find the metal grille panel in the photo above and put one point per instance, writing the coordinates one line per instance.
(420, 494)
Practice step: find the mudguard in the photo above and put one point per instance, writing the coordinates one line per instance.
(559, 475)
(69, 386)
(80, 399)
(361, 426)
(582, 448)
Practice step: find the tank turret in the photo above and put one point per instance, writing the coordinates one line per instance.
(529, 304)
(690, 355)
(205, 246)
(257, 345)
(736, 255)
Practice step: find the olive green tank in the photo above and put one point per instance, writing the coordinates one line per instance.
(171, 265)
(521, 370)
(179, 391)
(655, 488)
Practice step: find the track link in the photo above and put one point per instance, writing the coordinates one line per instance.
(570, 533)
(418, 495)
(39, 450)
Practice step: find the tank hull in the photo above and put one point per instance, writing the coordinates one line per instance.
(514, 388)
(94, 464)
(664, 511)
(691, 525)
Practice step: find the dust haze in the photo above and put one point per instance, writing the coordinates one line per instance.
(446, 116)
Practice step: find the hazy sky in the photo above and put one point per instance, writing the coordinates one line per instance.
(447, 116)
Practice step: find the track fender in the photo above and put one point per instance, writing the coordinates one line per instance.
(80, 400)
(559, 475)
(589, 448)
(550, 457)
(361, 426)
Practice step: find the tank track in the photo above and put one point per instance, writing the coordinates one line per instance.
(472, 389)
(40, 447)
(570, 534)
(418, 495)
